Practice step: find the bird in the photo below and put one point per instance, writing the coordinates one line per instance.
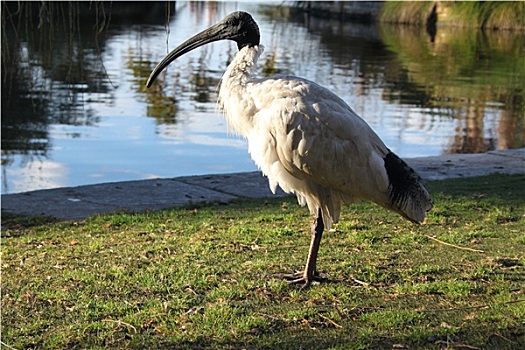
(305, 139)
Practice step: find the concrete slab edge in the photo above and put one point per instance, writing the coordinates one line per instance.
(76, 203)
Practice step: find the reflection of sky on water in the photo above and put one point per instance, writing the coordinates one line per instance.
(124, 144)
(36, 175)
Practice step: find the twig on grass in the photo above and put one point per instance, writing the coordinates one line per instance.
(458, 345)
(485, 306)
(330, 320)
(7, 346)
(365, 284)
(504, 338)
(455, 246)
(119, 322)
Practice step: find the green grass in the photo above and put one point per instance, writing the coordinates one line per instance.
(406, 12)
(489, 14)
(507, 15)
(201, 277)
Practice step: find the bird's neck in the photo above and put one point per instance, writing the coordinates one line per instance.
(234, 98)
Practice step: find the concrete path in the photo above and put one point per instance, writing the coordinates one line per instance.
(76, 203)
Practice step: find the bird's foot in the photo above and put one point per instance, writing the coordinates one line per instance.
(301, 278)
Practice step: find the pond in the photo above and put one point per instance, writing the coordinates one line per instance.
(75, 109)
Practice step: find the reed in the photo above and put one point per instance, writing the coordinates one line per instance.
(494, 15)
(406, 12)
(508, 15)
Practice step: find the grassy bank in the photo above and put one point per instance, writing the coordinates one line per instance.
(506, 15)
(487, 14)
(201, 277)
(406, 12)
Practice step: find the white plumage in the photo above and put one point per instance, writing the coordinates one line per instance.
(305, 139)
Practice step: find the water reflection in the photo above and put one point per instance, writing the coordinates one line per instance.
(51, 61)
(73, 84)
(472, 76)
(471, 79)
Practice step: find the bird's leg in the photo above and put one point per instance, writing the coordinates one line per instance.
(310, 273)
(317, 233)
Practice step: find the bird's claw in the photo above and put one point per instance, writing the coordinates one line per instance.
(301, 278)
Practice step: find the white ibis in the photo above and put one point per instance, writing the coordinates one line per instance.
(306, 139)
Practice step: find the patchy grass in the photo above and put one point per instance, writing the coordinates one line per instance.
(195, 278)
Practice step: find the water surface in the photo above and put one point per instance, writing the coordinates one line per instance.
(75, 109)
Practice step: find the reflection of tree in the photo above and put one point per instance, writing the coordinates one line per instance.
(355, 44)
(202, 83)
(357, 51)
(24, 120)
(465, 73)
(161, 106)
(446, 76)
(469, 136)
(270, 67)
(51, 65)
(162, 103)
(45, 71)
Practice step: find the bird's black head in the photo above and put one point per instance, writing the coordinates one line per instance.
(240, 27)
(237, 26)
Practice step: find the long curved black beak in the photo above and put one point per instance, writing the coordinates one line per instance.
(216, 32)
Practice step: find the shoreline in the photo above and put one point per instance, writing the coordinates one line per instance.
(77, 203)
(436, 14)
